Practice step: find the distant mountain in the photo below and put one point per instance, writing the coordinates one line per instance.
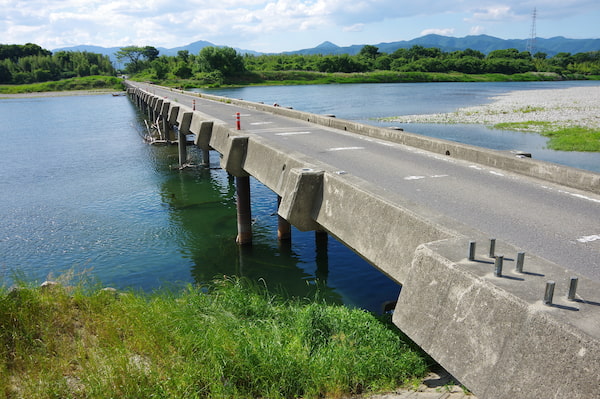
(482, 43)
(323, 48)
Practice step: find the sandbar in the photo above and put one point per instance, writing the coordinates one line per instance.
(574, 106)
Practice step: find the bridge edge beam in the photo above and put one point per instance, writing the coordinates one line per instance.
(301, 196)
(499, 344)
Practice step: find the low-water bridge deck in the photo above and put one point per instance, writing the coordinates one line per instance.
(423, 211)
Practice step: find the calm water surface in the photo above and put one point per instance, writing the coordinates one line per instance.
(80, 191)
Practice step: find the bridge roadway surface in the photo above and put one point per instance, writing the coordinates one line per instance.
(557, 223)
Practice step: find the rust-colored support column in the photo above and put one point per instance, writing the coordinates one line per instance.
(284, 228)
(244, 213)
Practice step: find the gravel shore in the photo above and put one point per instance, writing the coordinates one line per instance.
(575, 106)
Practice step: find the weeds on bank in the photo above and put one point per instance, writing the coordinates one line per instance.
(565, 138)
(230, 339)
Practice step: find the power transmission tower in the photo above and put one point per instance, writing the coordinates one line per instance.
(531, 42)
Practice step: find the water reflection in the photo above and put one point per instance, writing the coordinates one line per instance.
(201, 203)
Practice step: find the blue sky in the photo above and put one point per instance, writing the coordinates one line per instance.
(281, 25)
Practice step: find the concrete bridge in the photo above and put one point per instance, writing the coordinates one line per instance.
(498, 255)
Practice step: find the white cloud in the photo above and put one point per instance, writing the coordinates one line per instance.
(58, 23)
(354, 28)
(493, 14)
(442, 32)
(476, 30)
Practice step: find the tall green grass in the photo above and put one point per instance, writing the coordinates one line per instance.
(232, 339)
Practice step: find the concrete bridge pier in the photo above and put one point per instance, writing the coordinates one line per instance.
(244, 213)
(205, 158)
(163, 115)
(321, 255)
(284, 228)
(150, 111)
(182, 147)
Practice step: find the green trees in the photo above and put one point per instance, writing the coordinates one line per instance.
(217, 65)
(15, 51)
(29, 63)
(223, 59)
(138, 57)
(422, 59)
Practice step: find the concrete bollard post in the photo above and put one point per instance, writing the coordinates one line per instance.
(572, 288)
(284, 228)
(498, 265)
(492, 247)
(472, 245)
(520, 262)
(549, 293)
(244, 213)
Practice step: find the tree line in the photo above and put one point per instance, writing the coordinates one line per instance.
(30, 63)
(217, 65)
(223, 64)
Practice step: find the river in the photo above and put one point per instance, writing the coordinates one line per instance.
(80, 193)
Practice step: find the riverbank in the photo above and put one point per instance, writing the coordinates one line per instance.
(300, 78)
(231, 338)
(569, 117)
(91, 84)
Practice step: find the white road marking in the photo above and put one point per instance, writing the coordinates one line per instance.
(496, 173)
(345, 148)
(581, 196)
(475, 167)
(585, 197)
(261, 123)
(589, 238)
(291, 133)
(424, 177)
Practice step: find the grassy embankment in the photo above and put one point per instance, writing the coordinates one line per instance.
(571, 138)
(307, 77)
(232, 339)
(86, 83)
